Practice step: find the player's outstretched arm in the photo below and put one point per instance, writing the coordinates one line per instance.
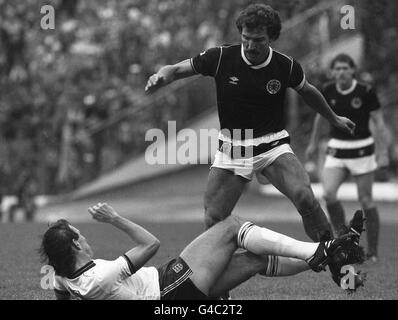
(316, 101)
(147, 243)
(168, 74)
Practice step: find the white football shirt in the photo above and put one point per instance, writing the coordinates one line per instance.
(111, 280)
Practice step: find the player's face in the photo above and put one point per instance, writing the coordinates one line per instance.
(255, 44)
(342, 72)
(83, 242)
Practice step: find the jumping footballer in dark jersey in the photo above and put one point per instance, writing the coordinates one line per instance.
(251, 80)
(250, 97)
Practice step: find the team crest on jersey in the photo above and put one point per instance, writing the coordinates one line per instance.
(356, 103)
(178, 267)
(226, 147)
(273, 86)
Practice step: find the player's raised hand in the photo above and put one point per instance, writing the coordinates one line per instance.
(155, 81)
(345, 124)
(103, 212)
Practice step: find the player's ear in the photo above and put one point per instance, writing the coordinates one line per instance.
(76, 244)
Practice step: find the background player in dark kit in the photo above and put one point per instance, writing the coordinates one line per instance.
(352, 154)
(251, 80)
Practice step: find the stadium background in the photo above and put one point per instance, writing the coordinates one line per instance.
(73, 111)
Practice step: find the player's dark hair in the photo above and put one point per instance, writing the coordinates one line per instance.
(342, 57)
(57, 248)
(260, 16)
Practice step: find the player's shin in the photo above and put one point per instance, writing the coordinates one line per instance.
(316, 224)
(372, 225)
(337, 216)
(284, 266)
(263, 241)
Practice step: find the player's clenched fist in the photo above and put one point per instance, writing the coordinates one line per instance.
(345, 124)
(103, 212)
(155, 81)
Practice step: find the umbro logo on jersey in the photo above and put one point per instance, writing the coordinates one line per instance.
(233, 80)
(178, 267)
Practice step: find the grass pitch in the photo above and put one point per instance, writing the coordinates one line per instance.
(171, 207)
(20, 266)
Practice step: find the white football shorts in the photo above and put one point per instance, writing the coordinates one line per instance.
(356, 166)
(249, 167)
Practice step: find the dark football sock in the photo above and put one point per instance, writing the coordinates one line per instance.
(316, 225)
(337, 216)
(372, 224)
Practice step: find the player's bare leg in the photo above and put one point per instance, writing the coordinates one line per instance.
(245, 265)
(332, 178)
(372, 223)
(287, 174)
(224, 189)
(210, 254)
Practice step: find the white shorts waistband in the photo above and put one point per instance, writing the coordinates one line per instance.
(350, 144)
(256, 141)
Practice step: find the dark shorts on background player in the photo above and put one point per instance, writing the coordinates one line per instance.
(175, 283)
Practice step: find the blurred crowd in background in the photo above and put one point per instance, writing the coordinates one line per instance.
(71, 99)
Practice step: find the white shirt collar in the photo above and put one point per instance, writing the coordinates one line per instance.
(259, 66)
(349, 90)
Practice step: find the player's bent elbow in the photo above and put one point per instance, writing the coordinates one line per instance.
(141, 254)
(154, 247)
(157, 244)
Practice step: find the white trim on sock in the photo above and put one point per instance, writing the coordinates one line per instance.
(242, 233)
(263, 241)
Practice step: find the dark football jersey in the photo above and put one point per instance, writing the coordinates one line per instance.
(248, 96)
(356, 104)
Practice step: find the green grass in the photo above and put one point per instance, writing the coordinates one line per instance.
(20, 265)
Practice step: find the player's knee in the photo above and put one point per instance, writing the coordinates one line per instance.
(230, 226)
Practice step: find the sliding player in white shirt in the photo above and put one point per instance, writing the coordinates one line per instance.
(206, 268)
